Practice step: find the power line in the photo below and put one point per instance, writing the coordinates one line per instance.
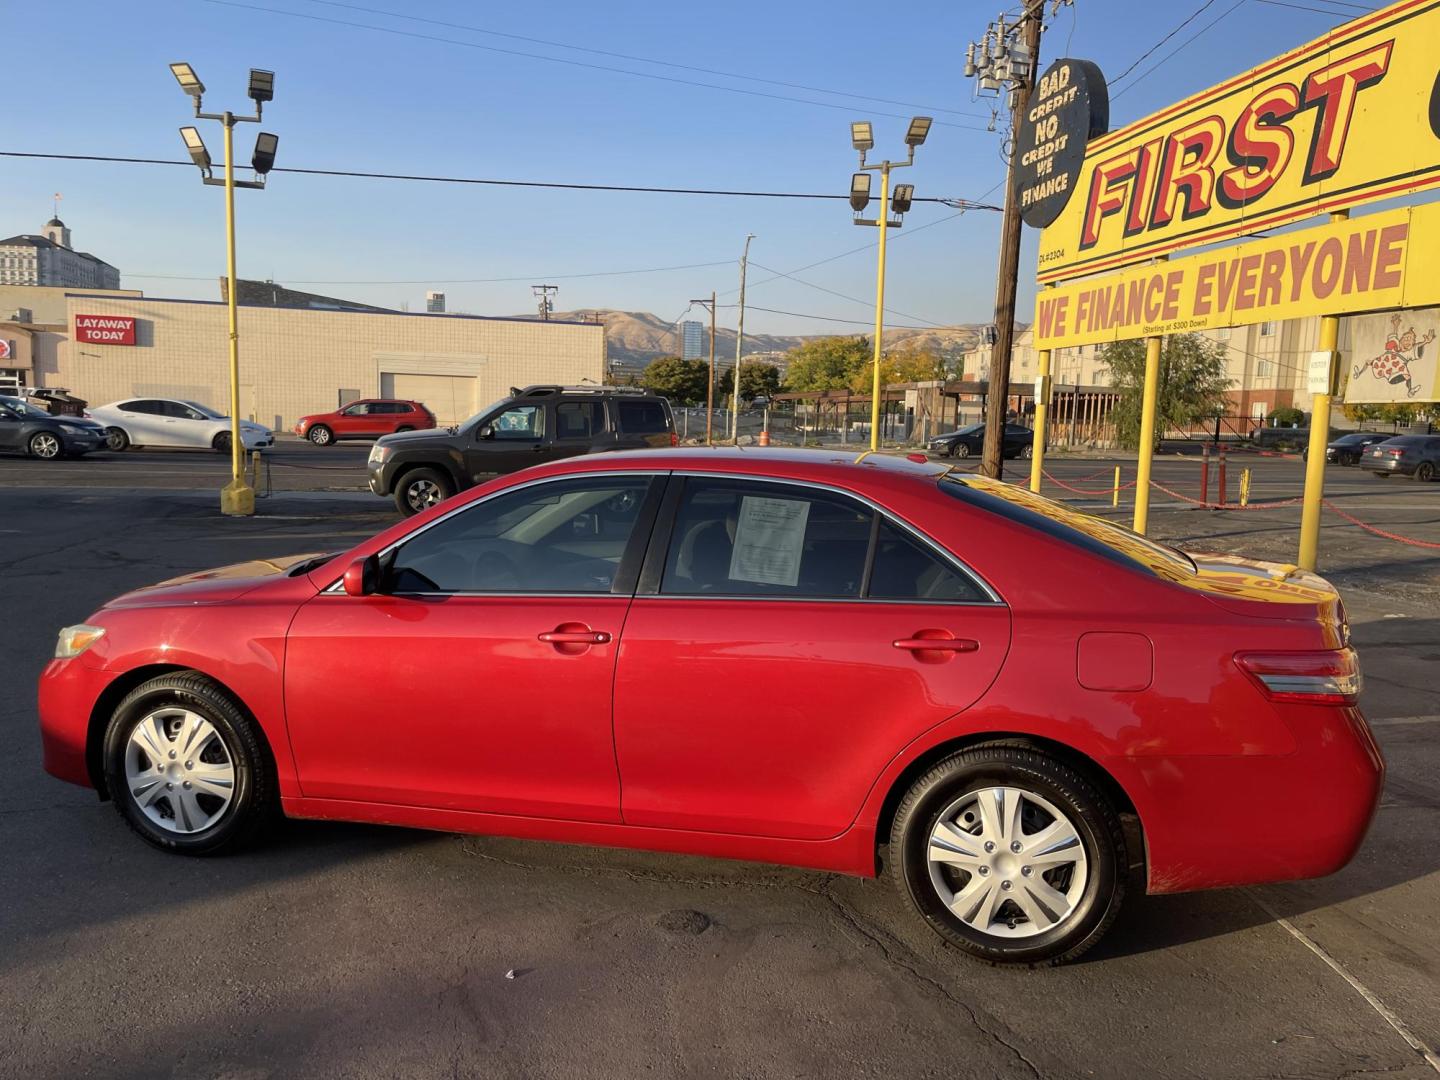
(562, 60)
(1150, 51)
(1319, 11)
(552, 184)
(453, 281)
(1184, 44)
(637, 59)
(843, 296)
(829, 318)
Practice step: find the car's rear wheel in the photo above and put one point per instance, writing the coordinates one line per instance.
(116, 439)
(321, 435)
(1425, 472)
(403, 427)
(46, 445)
(221, 442)
(1383, 475)
(1010, 855)
(1027, 451)
(186, 767)
(960, 449)
(421, 489)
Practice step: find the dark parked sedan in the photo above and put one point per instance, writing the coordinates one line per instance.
(1408, 455)
(969, 441)
(27, 430)
(1349, 449)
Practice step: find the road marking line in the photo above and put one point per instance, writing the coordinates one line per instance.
(1398, 721)
(1401, 1029)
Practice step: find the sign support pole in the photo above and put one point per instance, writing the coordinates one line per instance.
(876, 385)
(1147, 433)
(1042, 416)
(1319, 436)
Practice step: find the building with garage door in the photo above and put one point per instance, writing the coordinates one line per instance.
(295, 361)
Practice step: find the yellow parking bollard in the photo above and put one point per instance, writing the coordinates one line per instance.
(1245, 488)
(1115, 495)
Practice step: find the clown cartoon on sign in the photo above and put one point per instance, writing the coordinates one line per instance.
(1401, 350)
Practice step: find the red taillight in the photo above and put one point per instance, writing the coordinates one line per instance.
(1329, 677)
(1395, 453)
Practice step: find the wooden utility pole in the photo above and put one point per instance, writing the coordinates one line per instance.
(998, 397)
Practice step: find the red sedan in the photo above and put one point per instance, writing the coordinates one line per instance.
(1017, 710)
(368, 419)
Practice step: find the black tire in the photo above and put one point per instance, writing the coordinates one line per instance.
(1027, 451)
(46, 445)
(960, 450)
(254, 801)
(221, 442)
(420, 489)
(1425, 472)
(117, 440)
(1099, 900)
(320, 435)
(403, 427)
(1384, 475)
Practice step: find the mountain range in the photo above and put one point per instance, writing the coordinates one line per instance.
(634, 338)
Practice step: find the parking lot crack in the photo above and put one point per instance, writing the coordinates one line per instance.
(894, 952)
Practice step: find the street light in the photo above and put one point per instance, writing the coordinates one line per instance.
(237, 497)
(862, 138)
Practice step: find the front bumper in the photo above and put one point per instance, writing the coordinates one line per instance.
(257, 441)
(69, 690)
(83, 444)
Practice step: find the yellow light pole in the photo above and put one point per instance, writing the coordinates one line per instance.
(875, 381)
(1042, 418)
(1322, 374)
(237, 498)
(1147, 434)
(862, 138)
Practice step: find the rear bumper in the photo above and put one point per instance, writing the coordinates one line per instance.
(68, 693)
(1225, 821)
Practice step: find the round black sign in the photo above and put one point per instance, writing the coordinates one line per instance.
(1069, 106)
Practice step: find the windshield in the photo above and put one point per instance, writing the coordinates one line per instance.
(969, 429)
(484, 412)
(203, 411)
(23, 407)
(1095, 534)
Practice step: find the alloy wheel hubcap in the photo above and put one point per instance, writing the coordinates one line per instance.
(423, 494)
(179, 770)
(46, 446)
(1007, 862)
(320, 436)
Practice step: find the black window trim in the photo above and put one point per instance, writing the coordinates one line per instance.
(653, 569)
(627, 574)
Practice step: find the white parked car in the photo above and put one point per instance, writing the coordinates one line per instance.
(167, 422)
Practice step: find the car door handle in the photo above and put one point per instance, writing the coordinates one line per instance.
(574, 637)
(936, 644)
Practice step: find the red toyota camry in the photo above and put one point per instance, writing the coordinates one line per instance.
(1016, 710)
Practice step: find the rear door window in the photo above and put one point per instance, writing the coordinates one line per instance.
(642, 417)
(579, 419)
(908, 569)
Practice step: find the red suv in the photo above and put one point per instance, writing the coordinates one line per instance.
(365, 419)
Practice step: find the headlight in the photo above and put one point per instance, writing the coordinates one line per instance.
(379, 454)
(76, 639)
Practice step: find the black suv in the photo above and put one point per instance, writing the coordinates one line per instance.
(531, 426)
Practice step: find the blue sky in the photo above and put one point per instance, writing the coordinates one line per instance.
(355, 98)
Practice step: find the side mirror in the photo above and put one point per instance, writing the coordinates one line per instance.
(362, 576)
(485, 431)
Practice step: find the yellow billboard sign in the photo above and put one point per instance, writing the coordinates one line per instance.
(1369, 263)
(1351, 117)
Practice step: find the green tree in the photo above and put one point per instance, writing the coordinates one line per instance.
(1192, 384)
(1391, 414)
(756, 380)
(1286, 416)
(826, 363)
(682, 381)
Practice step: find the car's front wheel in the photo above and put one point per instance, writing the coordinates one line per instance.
(221, 443)
(186, 767)
(45, 445)
(421, 489)
(1010, 855)
(1027, 451)
(960, 449)
(321, 435)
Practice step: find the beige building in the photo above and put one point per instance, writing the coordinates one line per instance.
(47, 258)
(298, 361)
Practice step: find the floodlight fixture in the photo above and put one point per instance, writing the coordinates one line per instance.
(188, 80)
(903, 196)
(262, 85)
(196, 145)
(919, 129)
(859, 191)
(862, 137)
(263, 160)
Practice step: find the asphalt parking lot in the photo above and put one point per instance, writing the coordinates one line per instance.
(355, 950)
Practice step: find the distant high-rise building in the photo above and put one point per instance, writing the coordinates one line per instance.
(435, 302)
(692, 340)
(48, 259)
